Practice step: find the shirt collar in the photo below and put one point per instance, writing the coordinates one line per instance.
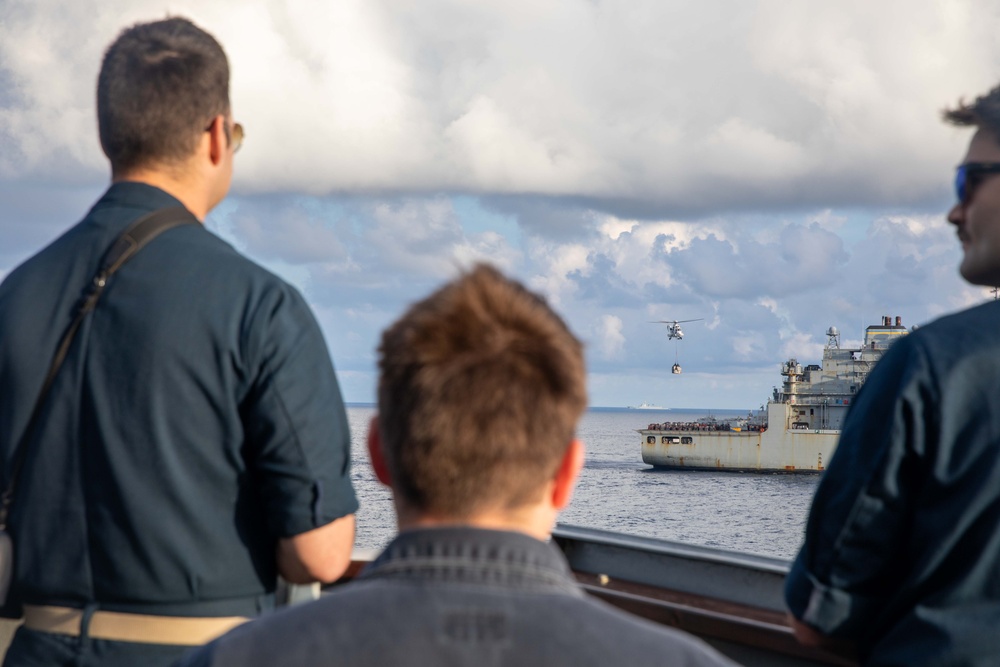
(513, 557)
(140, 196)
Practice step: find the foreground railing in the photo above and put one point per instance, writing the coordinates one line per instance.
(732, 600)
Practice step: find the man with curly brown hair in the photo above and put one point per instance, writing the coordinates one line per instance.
(901, 561)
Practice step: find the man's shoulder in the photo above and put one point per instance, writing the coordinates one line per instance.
(974, 326)
(425, 622)
(630, 639)
(942, 348)
(203, 245)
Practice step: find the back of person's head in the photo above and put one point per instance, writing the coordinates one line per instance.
(481, 387)
(160, 86)
(983, 112)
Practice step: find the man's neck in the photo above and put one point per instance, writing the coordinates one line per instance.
(190, 195)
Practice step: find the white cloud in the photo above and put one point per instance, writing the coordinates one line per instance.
(609, 340)
(487, 247)
(772, 167)
(802, 346)
(553, 263)
(694, 108)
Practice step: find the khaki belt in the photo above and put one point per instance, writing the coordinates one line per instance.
(140, 628)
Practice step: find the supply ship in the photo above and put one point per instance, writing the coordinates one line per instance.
(798, 430)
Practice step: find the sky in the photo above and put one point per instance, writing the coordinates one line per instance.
(769, 168)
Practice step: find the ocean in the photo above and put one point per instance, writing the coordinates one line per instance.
(748, 512)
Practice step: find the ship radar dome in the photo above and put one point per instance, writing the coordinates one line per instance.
(833, 337)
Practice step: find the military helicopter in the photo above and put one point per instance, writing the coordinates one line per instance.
(674, 327)
(674, 332)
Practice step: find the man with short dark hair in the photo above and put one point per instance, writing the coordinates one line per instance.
(901, 561)
(480, 390)
(194, 443)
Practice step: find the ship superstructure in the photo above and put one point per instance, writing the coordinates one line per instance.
(799, 429)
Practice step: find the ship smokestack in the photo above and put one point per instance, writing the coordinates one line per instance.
(887, 321)
(899, 321)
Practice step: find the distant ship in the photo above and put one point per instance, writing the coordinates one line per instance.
(646, 406)
(799, 430)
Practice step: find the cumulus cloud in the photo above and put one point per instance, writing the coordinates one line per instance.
(766, 291)
(668, 108)
(771, 168)
(609, 342)
(296, 232)
(802, 257)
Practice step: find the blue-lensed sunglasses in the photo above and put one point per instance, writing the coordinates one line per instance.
(965, 177)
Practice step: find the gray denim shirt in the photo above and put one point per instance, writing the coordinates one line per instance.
(457, 596)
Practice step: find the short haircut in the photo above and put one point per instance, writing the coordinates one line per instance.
(481, 387)
(160, 85)
(984, 112)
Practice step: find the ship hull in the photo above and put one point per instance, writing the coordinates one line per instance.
(768, 451)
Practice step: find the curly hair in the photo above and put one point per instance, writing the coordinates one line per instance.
(984, 112)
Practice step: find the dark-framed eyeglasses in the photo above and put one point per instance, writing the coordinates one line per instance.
(966, 177)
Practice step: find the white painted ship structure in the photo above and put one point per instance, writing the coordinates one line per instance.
(799, 430)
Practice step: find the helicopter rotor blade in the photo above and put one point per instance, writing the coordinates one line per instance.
(700, 319)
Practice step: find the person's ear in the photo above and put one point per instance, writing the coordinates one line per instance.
(218, 142)
(375, 452)
(567, 474)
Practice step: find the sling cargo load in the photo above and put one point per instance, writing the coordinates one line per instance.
(798, 430)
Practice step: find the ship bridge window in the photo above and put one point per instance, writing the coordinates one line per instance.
(686, 440)
(811, 411)
(651, 439)
(670, 439)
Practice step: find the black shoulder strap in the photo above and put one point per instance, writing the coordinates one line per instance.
(132, 240)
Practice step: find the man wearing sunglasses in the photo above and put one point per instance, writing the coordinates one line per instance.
(901, 559)
(193, 444)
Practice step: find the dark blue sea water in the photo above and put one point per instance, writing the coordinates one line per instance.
(754, 513)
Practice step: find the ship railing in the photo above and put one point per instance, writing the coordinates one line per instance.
(731, 600)
(707, 427)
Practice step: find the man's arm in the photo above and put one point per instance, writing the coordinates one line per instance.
(298, 441)
(321, 554)
(809, 636)
(850, 565)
